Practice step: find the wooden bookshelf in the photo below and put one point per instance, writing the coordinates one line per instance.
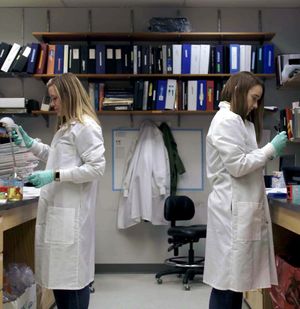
(117, 76)
(160, 38)
(152, 36)
(150, 112)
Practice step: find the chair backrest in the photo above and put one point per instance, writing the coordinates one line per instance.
(179, 208)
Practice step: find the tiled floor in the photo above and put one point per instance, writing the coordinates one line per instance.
(141, 291)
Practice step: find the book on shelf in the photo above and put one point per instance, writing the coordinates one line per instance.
(4, 50)
(13, 52)
(210, 95)
(13, 110)
(33, 58)
(212, 60)
(110, 60)
(84, 59)
(171, 94)
(268, 59)
(201, 95)
(91, 60)
(59, 59)
(51, 58)
(177, 52)
(234, 58)
(161, 94)
(66, 58)
(74, 59)
(20, 61)
(259, 59)
(195, 59)
(42, 59)
(13, 102)
(138, 95)
(127, 59)
(186, 59)
(118, 59)
(100, 59)
(204, 58)
(118, 107)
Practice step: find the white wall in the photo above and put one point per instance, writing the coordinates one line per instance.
(144, 243)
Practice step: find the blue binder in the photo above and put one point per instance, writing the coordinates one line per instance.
(268, 59)
(186, 59)
(161, 93)
(100, 59)
(219, 59)
(33, 56)
(59, 59)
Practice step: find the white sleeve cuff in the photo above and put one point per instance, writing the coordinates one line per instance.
(65, 175)
(269, 151)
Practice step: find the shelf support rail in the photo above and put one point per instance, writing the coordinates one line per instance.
(132, 20)
(219, 21)
(90, 20)
(48, 20)
(259, 21)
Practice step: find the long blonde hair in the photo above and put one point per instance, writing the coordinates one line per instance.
(75, 102)
(236, 90)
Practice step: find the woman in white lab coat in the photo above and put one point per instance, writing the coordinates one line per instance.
(65, 226)
(239, 246)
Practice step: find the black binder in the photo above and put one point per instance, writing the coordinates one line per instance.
(110, 65)
(74, 60)
(138, 95)
(84, 59)
(91, 62)
(4, 50)
(20, 61)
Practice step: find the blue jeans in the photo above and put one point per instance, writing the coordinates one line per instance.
(225, 299)
(72, 299)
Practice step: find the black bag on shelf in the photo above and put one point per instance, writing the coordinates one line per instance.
(169, 24)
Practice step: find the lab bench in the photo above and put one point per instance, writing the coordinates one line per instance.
(285, 217)
(17, 228)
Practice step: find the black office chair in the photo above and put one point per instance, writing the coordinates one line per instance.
(182, 208)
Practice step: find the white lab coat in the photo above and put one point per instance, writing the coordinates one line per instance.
(239, 245)
(146, 181)
(65, 226)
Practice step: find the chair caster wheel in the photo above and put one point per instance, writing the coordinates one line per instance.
(159, 280)
(187, 287)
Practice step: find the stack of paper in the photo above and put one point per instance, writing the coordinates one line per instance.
(25, 161)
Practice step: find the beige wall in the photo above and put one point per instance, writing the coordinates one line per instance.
(143, 243)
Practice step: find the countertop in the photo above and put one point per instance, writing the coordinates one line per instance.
(24, 202)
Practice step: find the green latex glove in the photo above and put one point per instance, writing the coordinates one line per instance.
(41, 178)
(279, 142)
(28, 141)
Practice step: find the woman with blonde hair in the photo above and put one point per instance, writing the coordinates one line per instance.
(65, 225)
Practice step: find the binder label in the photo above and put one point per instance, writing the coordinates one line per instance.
(27, 51)
(118, 53)
(92, 54)
(76, 53)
